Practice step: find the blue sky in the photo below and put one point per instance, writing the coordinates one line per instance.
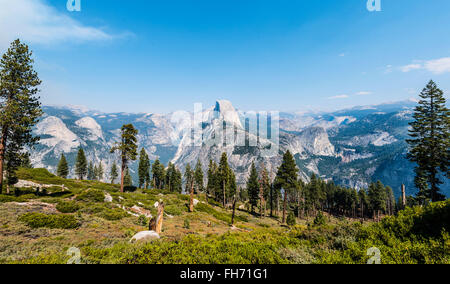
(287, 55)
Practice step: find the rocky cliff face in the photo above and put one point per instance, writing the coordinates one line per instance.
(352, 147)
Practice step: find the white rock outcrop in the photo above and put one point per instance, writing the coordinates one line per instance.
(108, 198)
(145, 236)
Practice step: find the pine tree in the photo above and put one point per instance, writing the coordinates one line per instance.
(20, 108)
(127, 180)
(143, 168)
(81, 166)
(25, 161)
(147, 173)
(253, 187)
(169, 176)
(390, 200)
(223, 173)
(232, 186)
(190, 181)
(177, 181)
(363, 202)
(430, 142)
(265, 181)
(188, 178)
(91, 171)
(63, 167)
(158, 172)
(315, 193)
(377, 198)
(198, 176)
(286, 178)
(173, 179)
(100, 172)
(127, 148)
(113, 174)
(212, 176)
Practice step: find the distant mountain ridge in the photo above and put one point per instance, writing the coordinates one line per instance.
(352, 147)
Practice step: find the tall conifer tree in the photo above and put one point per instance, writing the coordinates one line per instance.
(430, 142)
(63, 167)
(143, 168)
(127, 148)
(223, 174)
(198, 176)
(253, 187)
(81, 166)
(113, 174)
(287, 178)
(20, 108)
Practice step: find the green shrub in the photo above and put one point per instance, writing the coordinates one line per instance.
(11, 198)
(40, 220)
(7, 198)
(187, 224)
(142, 221)
(174, 210)
(201, 207)
(320, 219)
(113, 214)
(411, 237)
(40, 175)
(94, 208)
(92, 195)
(67, 207)
(290, 221)
(239, 248)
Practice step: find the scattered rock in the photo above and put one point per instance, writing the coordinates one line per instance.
(36, 205)
(145, 236)
(196, 202)
(30, 184)
(108, 198)
(141, 211)
(156, 204)
(242, 207)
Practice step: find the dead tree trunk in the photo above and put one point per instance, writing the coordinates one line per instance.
(156, 222)
(122, 176)
(191, 200)
(271, 201)
(2, 157)
(261, 199)
(159, 219)
(224, 195)
(403, 196)
(284, 207)
(234, 211)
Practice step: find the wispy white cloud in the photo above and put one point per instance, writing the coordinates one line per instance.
(342, 55)
(343, 96)
(410, 67)
(388, 69)
(436, 66)
(363, 93)
(36, 22)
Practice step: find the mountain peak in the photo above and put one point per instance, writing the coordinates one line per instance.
(225, 110)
